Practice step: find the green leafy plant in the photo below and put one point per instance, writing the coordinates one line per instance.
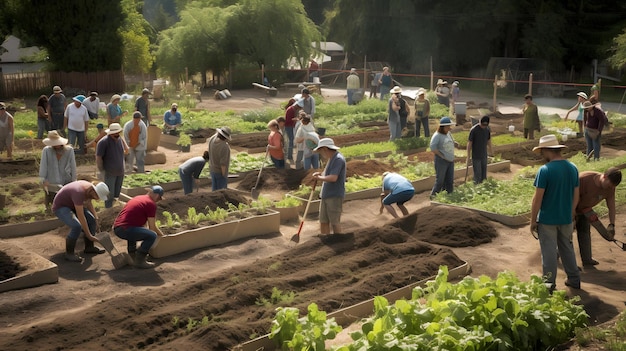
(277, 297)
(171, 220)
(287, 202)
(218, 215)
(193, 218)
(183, 140)
(474, 314)
(307, 333)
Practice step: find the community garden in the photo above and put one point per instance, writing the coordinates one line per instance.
(229, 289)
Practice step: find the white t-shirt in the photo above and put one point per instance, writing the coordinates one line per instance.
(302, 132)
(76, 117)
(92, 106)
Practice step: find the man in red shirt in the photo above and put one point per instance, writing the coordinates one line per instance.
(130, 225)
(594, 187)
(291, 114)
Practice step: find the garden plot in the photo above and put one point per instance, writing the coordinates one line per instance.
(21, 269)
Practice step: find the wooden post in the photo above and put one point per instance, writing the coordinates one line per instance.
(530, 84)
(263, 73)
(432, 74)
(365, 75)
(495, 89)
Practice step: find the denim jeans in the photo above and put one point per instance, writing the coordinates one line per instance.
(299, 156)
(187, 180)
(43, 125)
(384, 92)
(480, 169)
(73, 135)
(424, 122)
(115, 187)
(350, 93)
(556, 240)
(218, 181)
(444, 176)
(68, 216)
(279, 164)
(593, 145)
(312, 162)
(134, 234)
(289, 131)
(135, 155)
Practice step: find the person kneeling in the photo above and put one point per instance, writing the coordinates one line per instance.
(130, 225)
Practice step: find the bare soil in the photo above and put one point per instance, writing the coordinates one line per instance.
(96, 307)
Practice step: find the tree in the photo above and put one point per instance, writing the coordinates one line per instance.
(618, 59)
(78, 35)
(135, 41)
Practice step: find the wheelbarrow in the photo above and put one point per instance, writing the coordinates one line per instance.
(119, 259)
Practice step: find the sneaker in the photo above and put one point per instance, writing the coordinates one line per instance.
(572, 285)
(590, 263)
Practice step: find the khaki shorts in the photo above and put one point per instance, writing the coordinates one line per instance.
(330, 210)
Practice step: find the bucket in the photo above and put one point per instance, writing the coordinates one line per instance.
(321, 131)
(511, 128)
(316, 80)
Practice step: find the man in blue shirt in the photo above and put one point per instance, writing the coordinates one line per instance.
(551, 216)
(334, 187)
(396, 189)
(172, 120)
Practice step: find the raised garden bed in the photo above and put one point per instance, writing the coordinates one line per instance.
(34, 270)
(29, 228)
(216, 234)
(351, 314)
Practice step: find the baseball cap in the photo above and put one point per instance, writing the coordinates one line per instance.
(157, 189)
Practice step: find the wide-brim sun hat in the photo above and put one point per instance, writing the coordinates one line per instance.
(115, 97)
(114, 128)
(445, 121)
(421, 92)
(54, 139)
(224, 131)
(102, 190)
(439, 81)
(582, 95)
(57, 89)
(326, 142)
(548, 142)
(396, 90)
(299, 103)
(79, 98)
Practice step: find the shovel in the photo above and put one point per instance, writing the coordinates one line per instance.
(255, 192)
(119, 259)
(296, 237)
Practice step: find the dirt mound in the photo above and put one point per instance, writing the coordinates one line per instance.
(367, 168)
(333, 271)
(454, 227)
(274, 179)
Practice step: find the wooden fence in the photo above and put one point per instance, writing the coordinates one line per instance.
(30, 84)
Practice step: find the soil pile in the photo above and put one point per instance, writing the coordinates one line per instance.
(454, 227)
(9, 268)
(333, 271)
(274, 179)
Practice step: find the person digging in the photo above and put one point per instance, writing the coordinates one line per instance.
(130, 225)
(396, 189)
(594, 187)
(73, 206)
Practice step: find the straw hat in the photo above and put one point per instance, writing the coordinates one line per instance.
(587, 105)
(114, 128)
(56, 89)
(54, 139)
(115, 97)
(582, 95)
(439, 81)
(548, 142)
(396, 90)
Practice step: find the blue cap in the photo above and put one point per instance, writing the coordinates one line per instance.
(100, 126)
(445, 121)
(79, 98)
(157, 189)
